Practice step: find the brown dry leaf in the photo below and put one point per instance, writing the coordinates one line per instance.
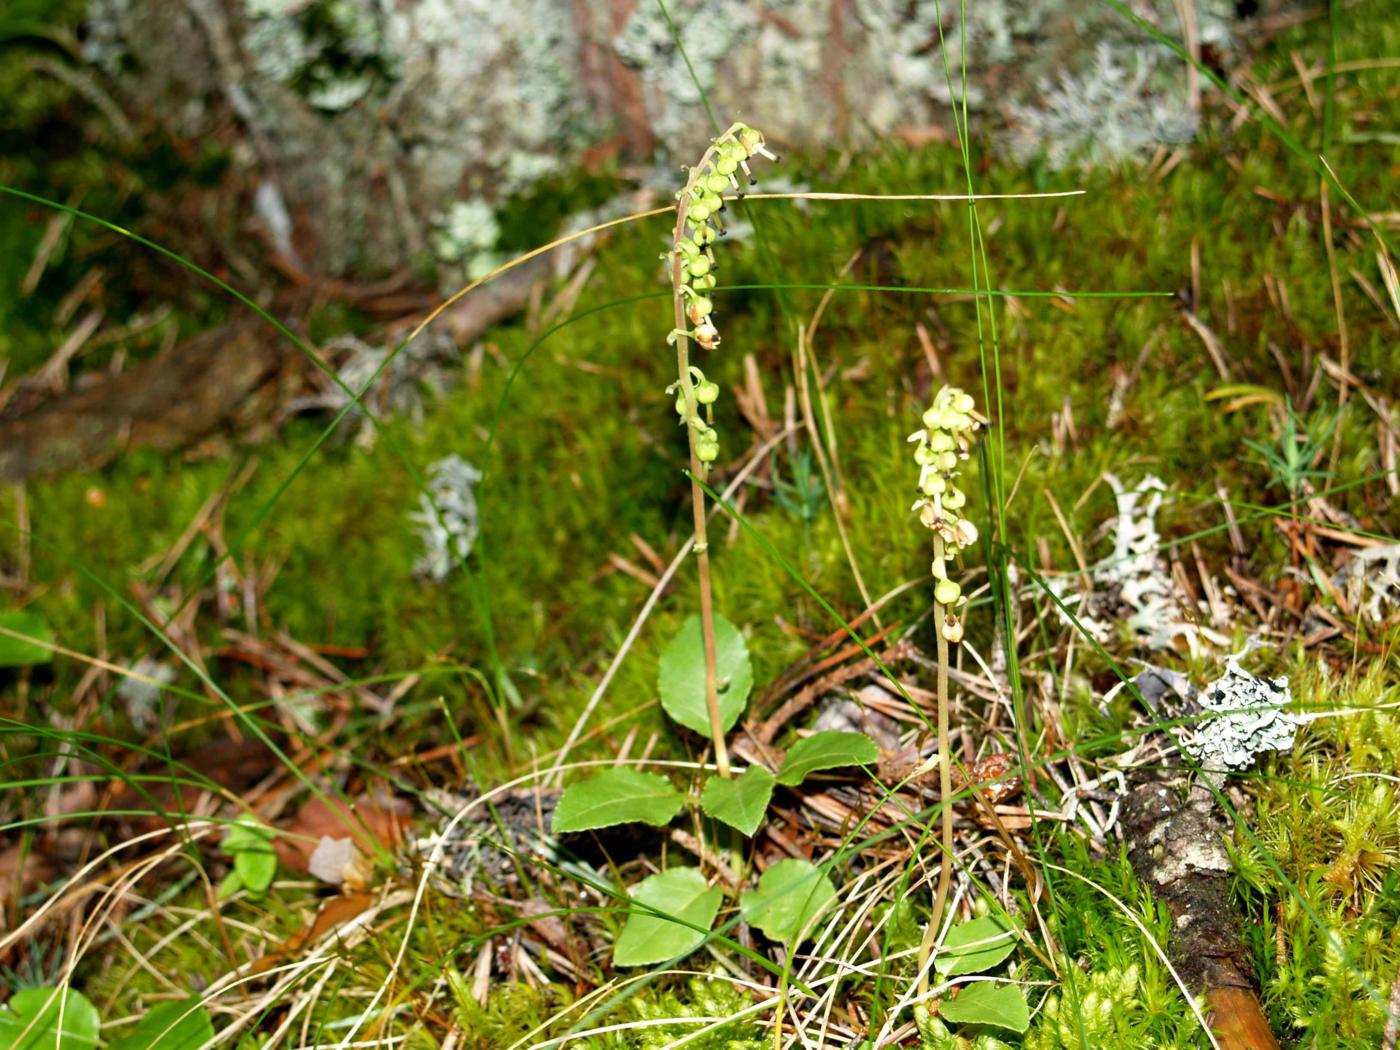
(335, 912)
(371, 823)
(21, 870)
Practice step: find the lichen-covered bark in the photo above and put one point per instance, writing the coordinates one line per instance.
(1176, 842)
(382, 132)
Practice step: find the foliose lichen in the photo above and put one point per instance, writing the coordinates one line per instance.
(1245, 718)
(448, 520)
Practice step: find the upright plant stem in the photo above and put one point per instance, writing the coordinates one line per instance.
(697, 505)
(945, 777)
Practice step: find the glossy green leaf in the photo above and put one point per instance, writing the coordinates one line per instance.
(228, 886)
(826, 751)
(975, 946)
(989, 1003)
(618, 796)
(20, 652)
(650, 938)
(681, 677)
(247, 832)
(789, 897)
(740, 802)
(249, 842)
(256, 869)
(31, 1021)
(170, 1026)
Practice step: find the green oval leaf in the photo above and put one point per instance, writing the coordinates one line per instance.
(256, 869)
(247, 832)
(826, 751)
(740, 802)
(619, 796)
(171, 1026)
(30, 1020)
(991, 1003)
(975, 946)
(650, 938)
(789, 897)
(681, 676)
(21, 652)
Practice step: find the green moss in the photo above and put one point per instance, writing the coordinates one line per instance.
(584, 455)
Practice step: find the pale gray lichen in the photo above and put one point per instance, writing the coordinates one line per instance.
(424, 364)
(1110, 110)
(468, 232)
(1133, 586)
(373, 115)
(1245, 717)
(141, 696)
(448, 520)
(1370, 582)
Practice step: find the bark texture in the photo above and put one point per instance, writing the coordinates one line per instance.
(380, 134)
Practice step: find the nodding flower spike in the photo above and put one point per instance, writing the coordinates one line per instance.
(701, 200)
(950, 429)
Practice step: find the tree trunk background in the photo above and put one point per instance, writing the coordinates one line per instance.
(379, 135)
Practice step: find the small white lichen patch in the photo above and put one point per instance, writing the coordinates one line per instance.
(141, 696)
(468, 233)
(1245, 717)
(1113, 109)
(1133, 585)
(1371, 582)
(449, 522)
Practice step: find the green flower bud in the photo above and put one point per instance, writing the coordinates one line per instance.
(688, 249)
(954, 498)
(716, 183)
(963, 402)
(699, 211)
(707, 393)
(923, 455)
(946, 592)
(947, 461)
(699, 266)
(699, 309)
(941, 441)
(933, 418)
(703, 284)
(726, 165)
(707, 451)
(934, 484)
(704, 235)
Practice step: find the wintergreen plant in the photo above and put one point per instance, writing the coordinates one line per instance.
(941, 446)
(670, 912)
(974, 947)
(692, 259)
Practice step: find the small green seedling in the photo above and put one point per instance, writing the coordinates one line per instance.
(249, 843)
(1293, 460)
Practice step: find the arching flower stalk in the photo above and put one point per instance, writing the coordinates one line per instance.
(945, 442)
(692, 259)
